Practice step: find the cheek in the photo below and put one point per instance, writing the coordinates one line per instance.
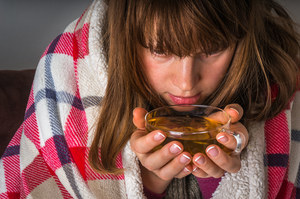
(155, 75)
(158, 70)
(158, 79)
(214, 76)
(213, 79)
(221, 67)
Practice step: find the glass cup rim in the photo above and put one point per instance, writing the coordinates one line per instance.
(223, 126)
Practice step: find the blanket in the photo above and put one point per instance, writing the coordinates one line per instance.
(48, 156)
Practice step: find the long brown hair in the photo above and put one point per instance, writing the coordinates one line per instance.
(265, 59)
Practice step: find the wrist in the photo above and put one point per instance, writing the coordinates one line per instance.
(152, 182)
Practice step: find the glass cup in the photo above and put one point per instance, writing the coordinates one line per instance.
(195, 126)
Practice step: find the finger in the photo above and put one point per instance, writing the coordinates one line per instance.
(188, 169)
(229, 163)
(235, 111)
(143, 142)
(199, 172)
(156, 160)
(206, 167)
(227, 139)
(175, 167)
(139, 117)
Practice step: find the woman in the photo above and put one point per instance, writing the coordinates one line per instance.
(78, 139)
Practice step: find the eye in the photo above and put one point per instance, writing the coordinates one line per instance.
(158, 53)
(215, 53)
(208, 55)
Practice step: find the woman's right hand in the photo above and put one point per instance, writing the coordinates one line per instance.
(158, 168)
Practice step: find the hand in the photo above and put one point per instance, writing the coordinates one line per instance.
(160, 167)
(215, 162)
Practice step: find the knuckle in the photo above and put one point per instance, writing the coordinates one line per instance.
(181, 175)
(236, 169)
(224, 161)
(164, 176)
(148, 165)
(218, 174)
(223, 164)
(134, 140)
(133, 146)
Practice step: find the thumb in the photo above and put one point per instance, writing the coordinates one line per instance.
(139, 117)
(235, 111)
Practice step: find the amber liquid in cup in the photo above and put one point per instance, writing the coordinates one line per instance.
(195, 132)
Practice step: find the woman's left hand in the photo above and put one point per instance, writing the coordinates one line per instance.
(215, 162)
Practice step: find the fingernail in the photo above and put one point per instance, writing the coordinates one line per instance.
(159, 136)
(175, 148)
(194, 169)
(222, 139)
(184, 159)
(200, 160)
(212, 151)
(186, 170)
(234, 110)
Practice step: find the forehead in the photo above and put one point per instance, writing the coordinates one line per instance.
(180, 29)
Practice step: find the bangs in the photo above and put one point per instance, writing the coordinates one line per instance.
(182, 27)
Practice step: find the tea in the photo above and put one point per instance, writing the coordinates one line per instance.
(196, 133)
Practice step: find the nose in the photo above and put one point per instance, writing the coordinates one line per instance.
(185, 74)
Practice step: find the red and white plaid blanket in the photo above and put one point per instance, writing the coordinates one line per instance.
(47, 157)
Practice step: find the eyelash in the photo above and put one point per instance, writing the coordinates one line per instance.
(159, 54)
(164, 54)
(211, 53)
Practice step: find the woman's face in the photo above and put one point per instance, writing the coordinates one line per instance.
(188, 80)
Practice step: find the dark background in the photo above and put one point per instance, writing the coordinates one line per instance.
(28, 26)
